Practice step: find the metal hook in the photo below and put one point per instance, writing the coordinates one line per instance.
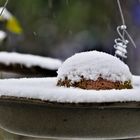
(121, 42)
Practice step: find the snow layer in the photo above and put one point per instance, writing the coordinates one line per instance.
(29, 60)
(46, 89)
(92, 65)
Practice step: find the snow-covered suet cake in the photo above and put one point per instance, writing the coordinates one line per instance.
(94, 70)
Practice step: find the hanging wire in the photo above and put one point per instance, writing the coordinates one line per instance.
(4, 7)
(121, 42)
(121, 13)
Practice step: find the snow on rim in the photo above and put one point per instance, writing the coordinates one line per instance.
(91, 65)
(46, 89)
(29, 60)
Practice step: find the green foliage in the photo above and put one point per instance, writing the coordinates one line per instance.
(57, 20)
(67, 14)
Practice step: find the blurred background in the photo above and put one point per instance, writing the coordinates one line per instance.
(60, 28)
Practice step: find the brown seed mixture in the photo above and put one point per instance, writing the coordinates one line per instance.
(99, 84)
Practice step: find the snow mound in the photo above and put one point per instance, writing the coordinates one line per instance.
(92, 65)
(29, 60)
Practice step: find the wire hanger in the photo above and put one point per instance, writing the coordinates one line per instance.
(1, 12)
(121, 42)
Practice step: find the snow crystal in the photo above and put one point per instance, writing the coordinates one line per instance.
(46, 89)
(29, 60)
(92, 65)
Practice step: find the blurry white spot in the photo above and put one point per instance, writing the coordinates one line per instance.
(2, 35)
(34, 33)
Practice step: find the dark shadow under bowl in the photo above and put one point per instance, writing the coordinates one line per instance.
(23, 71)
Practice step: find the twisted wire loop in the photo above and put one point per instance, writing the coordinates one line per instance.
(121, 43)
